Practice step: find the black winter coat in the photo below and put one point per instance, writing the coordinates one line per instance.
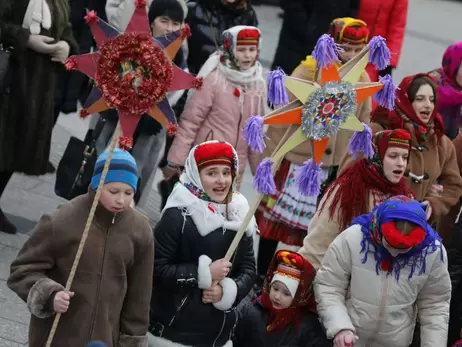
(208, 20)
(27, 108)
(304, 22)
(72, 85)
(251, 330)
(177, 311)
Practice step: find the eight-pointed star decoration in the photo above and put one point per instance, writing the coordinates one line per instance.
(322, 108)
(133, 72)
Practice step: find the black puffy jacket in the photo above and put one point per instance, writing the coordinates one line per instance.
(207, 20)
(251, 330)
(177, 311)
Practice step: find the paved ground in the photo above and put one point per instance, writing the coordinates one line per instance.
(432, 25)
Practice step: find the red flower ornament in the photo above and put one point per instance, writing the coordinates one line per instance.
(91, 17)
(125, 143)
(84, 113)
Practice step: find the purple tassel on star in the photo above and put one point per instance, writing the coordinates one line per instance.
(379, 53)
(361, 142)
(325, 52)
(253, 133)
(264, 180)
(308, 178)
(277, 93)
(386, 96)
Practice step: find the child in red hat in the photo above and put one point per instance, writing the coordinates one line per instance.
(284, 314)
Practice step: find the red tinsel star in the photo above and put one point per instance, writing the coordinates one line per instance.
(133, 72)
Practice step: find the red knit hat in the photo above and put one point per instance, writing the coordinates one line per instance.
(355, 35)
(397, 138)
(215, 153)
(248, 37)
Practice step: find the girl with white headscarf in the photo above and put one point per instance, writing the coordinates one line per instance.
(234, 90)
(196, 291)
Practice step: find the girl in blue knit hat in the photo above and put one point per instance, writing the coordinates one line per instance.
(110, 294)
(378, 274)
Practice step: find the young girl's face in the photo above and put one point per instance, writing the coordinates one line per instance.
(458, 76)
(424, 103)
(280, 296)
(246, 56)
(216, 181)
(394, 163)
(349, 51)
(116, 196)
(164, 25)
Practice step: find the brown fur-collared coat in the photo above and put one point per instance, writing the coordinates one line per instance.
(112, 284)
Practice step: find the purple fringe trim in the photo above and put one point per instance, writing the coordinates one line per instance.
(264, 180)
(277, 93)
(308, 178)
(325, 52)
(361, 142)
(379, 53)
(253, 133)
(386, 96)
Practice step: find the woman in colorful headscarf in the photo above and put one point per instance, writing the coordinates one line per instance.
(377, 275)
(449, 81)
(433, 174)
(196, 290)
(234, 90)
(357, 191)
(285, 216)
(285, 313)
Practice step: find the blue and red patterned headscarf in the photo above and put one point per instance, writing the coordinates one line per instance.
(380, 224)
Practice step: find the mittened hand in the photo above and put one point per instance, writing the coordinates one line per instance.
(41, 44)
(61, 52)
(345, 338)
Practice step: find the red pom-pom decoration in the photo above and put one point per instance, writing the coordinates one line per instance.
(198, 83)
(171, 129)
(70, 63)
(84, 113)
(236, 92)
(185, 32)
(126, 143)
(91, 17)
(133, 73)
(140, 3)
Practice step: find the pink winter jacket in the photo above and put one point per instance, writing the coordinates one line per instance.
(214, 113)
